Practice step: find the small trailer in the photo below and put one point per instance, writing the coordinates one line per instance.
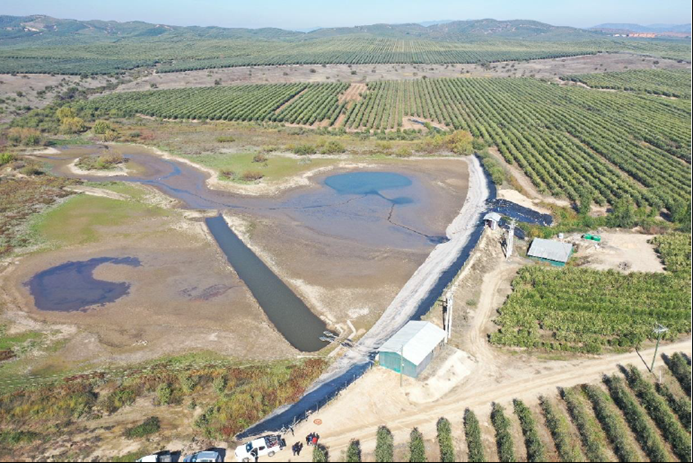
(266, 445)
(590, 237)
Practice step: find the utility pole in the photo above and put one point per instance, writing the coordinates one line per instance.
(401, 366)
(449, 298)
(659, 330)
(509, 242)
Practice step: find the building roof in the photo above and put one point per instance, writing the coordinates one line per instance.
(550, 250)
(495, 216)
(415, 341)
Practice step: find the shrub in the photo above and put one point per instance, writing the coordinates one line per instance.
(384, 447)
(259, 157)
(164, 393)
(354, 452)
(227, 173)
(417, 448)
(504, 440)
(590, 433)
(677, 364)
(219, 384)
(188, 382)
(612, 423)
(150, 426)
(535, 448)
(304, 150)
(319, 454)
(568, 449)
(659, 411)
(332, 147)
(472, 433)
(13, 438)
(636, 418)
(101, 127)
(403, 152)
(252, 175)
(447, 448)
(119, 399)
(225, 139)
(6, 158)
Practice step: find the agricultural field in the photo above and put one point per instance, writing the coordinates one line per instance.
(658, 82)
(567, 140)
(583, 310)
(629, 416)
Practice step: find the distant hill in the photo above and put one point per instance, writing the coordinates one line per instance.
(41, 27)
(652, 28)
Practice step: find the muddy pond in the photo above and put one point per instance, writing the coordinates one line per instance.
(379, 207)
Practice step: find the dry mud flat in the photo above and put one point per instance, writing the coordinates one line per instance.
(347, 280)
(185, 294)
(362, 73)
(182, 297)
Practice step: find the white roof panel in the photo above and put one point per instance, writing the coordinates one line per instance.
(415, 341)
(551, 250)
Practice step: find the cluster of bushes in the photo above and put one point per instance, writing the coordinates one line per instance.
(535, 448)
(417, 447)
(445, 443)
(384, 446)
(24, 136)
(6, 158)
(636, 418)
(558, 426)
(472, 433)
(104, 162)
(656, 406)
(612, 424)
(225, 139)
(150, 426)
(504, 440)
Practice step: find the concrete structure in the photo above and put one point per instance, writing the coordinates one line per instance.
(553, 252)
(492, 219)
(412, 348)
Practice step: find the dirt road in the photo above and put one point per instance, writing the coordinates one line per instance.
(377, 399)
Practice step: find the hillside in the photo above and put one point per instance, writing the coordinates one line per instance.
(41, 44)
(45, 28)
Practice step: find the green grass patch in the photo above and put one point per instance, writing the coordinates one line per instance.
(77, 220)
(274, 168)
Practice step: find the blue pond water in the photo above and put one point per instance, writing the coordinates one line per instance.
(71, 286)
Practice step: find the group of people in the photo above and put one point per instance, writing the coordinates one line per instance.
(312, 438)
(296, 448)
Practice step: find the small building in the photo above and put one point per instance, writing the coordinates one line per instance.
(553, 252)
(412, 348)
(492, 219)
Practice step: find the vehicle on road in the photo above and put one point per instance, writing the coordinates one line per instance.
(266, 445)
(164, 456)
(207, 456)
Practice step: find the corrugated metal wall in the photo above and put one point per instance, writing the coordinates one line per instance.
(393, 361)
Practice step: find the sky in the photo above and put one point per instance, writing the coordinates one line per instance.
(307, 14)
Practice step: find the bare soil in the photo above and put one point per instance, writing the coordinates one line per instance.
(362, 73)
(624, 251)
(497, 376)
(183, 297)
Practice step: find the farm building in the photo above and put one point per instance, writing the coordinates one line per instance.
(553, 252)
(492, 219)
(412, 348)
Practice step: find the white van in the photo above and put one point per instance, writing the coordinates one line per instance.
(266, 445)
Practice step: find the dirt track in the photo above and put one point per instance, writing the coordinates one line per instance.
(353, 415)
(498, 376)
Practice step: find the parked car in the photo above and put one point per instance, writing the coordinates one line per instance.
(267, 445)
(207, 456)
(164, 456)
